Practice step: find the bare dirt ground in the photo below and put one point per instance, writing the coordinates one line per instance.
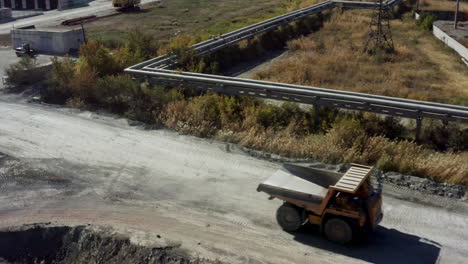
(70, 167)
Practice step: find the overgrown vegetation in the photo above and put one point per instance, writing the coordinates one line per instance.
(421, 68)
(425, 21)
(246, 50)
(24, 72)
(96, 81)
(443, 5)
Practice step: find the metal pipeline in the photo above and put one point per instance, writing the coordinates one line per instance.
(157, 68)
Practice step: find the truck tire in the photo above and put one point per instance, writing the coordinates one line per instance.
(289, 217)
(338, 230)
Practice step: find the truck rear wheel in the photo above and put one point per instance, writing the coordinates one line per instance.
(338, 230)
(289, 217)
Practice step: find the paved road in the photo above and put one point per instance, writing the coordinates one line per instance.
(55, 17)
(194, 191)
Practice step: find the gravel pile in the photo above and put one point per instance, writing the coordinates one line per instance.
(427, 186)
(66, 245)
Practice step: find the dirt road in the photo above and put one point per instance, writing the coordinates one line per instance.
(85, 168)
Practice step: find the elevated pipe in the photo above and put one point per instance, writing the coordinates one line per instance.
(158, 69)
(415, 106)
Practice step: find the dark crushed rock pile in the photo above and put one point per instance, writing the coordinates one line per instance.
(427, 186)
(70, 245)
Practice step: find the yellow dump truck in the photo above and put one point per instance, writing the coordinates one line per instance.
(342, 204)
(126, 3)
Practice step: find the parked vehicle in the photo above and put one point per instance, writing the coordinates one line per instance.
(25, 50)
(343, 205)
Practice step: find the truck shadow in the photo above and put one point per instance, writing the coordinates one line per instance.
(385, 246)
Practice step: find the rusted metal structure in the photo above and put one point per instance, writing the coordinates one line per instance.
(380, 34)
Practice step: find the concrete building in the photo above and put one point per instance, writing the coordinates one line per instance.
(58, 41)
(29, 4)
(41, 4)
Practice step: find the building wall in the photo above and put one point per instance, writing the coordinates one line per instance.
(21, 4)
(48, 42)
(42, 4)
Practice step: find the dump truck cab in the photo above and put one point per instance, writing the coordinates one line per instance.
(341, 204)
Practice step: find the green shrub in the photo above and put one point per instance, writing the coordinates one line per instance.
(376, 125)
(114, 92)
(24, 72)
(444, 136)
(346, 133)
(65, 83)
(145, 103)
(141, 43)
(60, 76)
(425, 21)
(83, 86)
(254, 48)
(95, 57)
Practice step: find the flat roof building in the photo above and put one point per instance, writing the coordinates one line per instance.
(57, 40)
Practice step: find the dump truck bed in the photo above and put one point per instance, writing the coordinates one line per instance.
(299, 182)
(311, 185)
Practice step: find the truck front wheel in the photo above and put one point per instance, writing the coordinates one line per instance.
(289, 217)
(338, 230)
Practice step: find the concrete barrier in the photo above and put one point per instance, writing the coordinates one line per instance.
(449, 41)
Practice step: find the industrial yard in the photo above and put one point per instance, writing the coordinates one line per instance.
(165, 139)
(194, 193)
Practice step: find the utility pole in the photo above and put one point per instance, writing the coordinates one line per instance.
(84, 33)
(456, 13)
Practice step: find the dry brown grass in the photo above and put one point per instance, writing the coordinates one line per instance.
(347, 141)
(342, 145)
(442, 5)
(333, 58)
(422, 68)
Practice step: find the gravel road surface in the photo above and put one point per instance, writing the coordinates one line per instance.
(72, 167)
